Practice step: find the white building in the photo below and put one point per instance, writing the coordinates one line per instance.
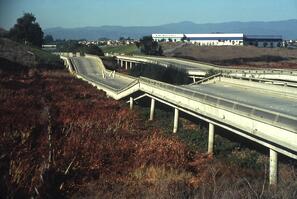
(168, 37)
(215, 39)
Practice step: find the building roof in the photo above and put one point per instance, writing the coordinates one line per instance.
(263, 36)
(216, 35)
(168, 35)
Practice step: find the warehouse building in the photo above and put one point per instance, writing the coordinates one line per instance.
(263, 41)
(221, 39)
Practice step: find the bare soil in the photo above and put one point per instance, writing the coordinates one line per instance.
(241, 56)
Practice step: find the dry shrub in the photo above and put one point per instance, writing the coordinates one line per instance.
(156, 175)
(161, 150)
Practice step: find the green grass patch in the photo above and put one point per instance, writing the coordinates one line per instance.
(46, 59)
(170, 74)
(129, 49)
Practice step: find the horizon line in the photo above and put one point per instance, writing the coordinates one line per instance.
(128, 26)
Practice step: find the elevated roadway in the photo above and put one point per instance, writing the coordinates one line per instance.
(199, 69)
(266, 114)
(89, 67)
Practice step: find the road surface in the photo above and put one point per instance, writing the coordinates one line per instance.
(253, 96)
(91, 68)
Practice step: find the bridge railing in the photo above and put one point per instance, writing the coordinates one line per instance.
(261, 80)
(262, 71)
(207, 79)
(280, 120)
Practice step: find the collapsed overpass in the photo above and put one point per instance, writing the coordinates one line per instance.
(198, 70)
(268, 118)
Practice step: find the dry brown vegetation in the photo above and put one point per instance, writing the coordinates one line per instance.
(62, 138)
(242, 56)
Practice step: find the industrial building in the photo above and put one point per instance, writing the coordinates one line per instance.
(263, 41)
(221, 39)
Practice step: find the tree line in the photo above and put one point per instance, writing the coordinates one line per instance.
(170, 74)
(28, 31)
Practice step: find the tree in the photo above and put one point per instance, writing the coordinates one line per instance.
(184, 39)
(74, 46)
(94, 50)
(149, 47)
(27, 30)
(265, 44)
(160, 50)
(48, 39)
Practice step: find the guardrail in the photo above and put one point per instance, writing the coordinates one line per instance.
(261, 80)
(207, 79)
(68, 63)
(228, 70)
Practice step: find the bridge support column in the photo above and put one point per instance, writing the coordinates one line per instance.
(118, 61)
(126, 65)
(131, 65)
(122, 64)
(210, 138)
(153, 102)
(131, 102)
(273, 168)
(175, 124)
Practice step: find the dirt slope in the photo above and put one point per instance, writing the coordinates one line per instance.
(243, 56)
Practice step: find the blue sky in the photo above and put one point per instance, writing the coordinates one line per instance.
(80, 13)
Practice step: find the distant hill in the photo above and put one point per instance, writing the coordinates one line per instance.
(287, 28)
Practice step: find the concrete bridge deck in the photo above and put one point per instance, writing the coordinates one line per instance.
(198, 69)
(253, 96)
(90, 67)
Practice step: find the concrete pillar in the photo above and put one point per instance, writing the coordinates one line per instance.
(210, 138)
(273, 167)
(131, 65)
(175, 124)
(122, 64)
(126, 65)
(131, 102)
(153, 101)
(118, 61)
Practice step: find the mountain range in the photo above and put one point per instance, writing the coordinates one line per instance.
(286, 28)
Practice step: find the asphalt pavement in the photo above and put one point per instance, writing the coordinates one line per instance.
(91, 68)
(251, 96)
